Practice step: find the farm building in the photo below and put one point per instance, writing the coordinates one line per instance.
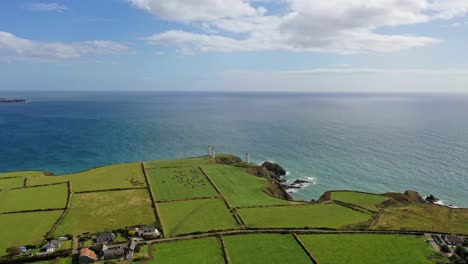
(51, 246)
(454, 240)
(104, 237)
(116, 252)
(147, 231)
(87, 256)
(130, 250)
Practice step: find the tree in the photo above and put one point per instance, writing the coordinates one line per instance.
(13, 251)
(445, 249)
(69, 236)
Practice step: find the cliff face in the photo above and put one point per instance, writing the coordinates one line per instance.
(272, 172)
(274, 168)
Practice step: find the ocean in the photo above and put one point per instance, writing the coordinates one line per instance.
(369, 142)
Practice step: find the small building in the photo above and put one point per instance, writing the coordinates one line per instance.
(130, 250)
(87, 256)
(150, 231)
(454, 240)
(116, 252)
(63, 238)
(51, 246)
(104, 237)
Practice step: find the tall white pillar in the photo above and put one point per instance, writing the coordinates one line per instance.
(213, 153)
(209, 151)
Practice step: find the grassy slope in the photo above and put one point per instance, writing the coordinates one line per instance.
(195, 215)
(97, 212)
(108, 177)
(53, 196)
(179, 183)
(11, 183)
(425, 217)
(21, 174)
(367, 248)
(239, 187)
(25, 228)
(368, 201)
(264, 248)
(319, 215)
(190, 162)
(200, 251)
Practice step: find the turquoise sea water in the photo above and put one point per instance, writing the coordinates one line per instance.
(375, 143)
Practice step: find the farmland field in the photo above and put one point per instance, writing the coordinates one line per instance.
(17, 229)
(127, 175)
(179, 183)
(368, 248)
(195, 215)
(365, 200)
(425, 217)
(318, 215)
(239, 187)
(200, 251)
(21, 174)
(264, 248)
(9, 183)
(189, 162)
(44, 197)
(100, 211)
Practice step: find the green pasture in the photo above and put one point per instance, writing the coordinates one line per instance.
(188, 162)
(179, 183)
(8, 183)
(25, 228)
(318, 215)
(368, 248)
(424, 217)
(239, 187)
(366, 200)
(104, 211)
(200, 251)
(264, 248)
(21, 174)
(44, 197)
(195, 215)
(126, 175)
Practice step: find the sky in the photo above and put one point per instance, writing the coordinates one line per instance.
(235, 45)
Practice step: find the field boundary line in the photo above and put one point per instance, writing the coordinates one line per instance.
(40, 185)
(355, 207)
(227, 260)
(232, 209)
(170, 167)
(111, 190)
(278, 205)
(25, 184)
(153, 201)
(12, 177)
(190, 199)
(306, 250)
(65, 211)
(32, 211)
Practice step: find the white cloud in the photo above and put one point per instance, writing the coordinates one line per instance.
(338, 26)
(197, 10)
(46, 7)
(12, 46)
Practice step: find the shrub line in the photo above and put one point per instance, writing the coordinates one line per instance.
(227, 260)
(64, 213)
(153, 201)
(32, 211)
(189, 199)
(232, 209)
(112, 190)
(355, 207)
(306, 250)
(40, 185)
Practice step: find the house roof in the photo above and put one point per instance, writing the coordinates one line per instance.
(105, 236)
(454, 239)
(88, 253)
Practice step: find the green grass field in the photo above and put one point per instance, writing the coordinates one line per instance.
(195, 215)
(180, 183)
(424, 217)
(368, 201)
(128, 175)
(368, 248)
(239, 187)
(200, 251)
(44, 197)
(189, 162)
(25, 228)
(101, 211)
(264, 248)
(21, 174)
(319, 215)
(8, 183)
(68, 260)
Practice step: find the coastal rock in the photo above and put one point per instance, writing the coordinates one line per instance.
(300, 181)
(414, 195)
(276, 169)
(228, 159)
(432, 199)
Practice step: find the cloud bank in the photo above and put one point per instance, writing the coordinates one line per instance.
(336, 26)
(46, 7)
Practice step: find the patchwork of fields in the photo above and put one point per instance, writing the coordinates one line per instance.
(192, 196)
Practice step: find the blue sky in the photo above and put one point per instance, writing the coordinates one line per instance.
(235, 45)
